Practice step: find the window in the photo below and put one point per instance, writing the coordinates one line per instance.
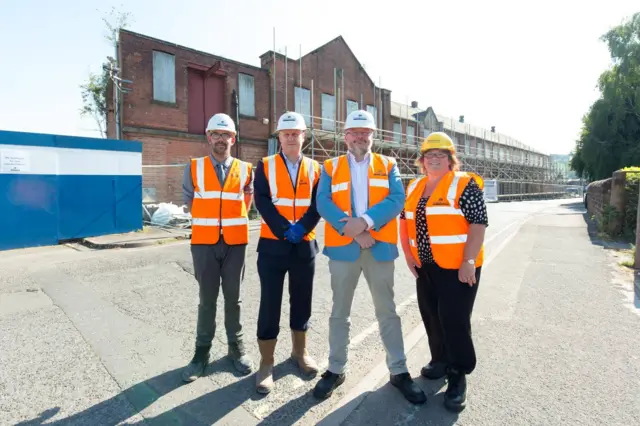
(328, 112)
(303, 103)
(351, 106)
(479, 152)
(411, 131)
(247, 97)
(164, 77)
(374, 111)
(467, 146)
(397, 132)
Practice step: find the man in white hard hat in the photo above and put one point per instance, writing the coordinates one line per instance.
(218, 190)
(285, 196)
(360, 196)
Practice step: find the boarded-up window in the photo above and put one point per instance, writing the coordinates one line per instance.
(328, 112)
(351, 106)
(164, 77)
(397, 132)
(303, 103)
(411, 132)
(374, 111)
(247, 97)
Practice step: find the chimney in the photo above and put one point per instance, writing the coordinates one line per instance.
(461, 119)
(493, 129)
(414, 104)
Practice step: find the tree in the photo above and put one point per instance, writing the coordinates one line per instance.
(94, 90)
(610, 137)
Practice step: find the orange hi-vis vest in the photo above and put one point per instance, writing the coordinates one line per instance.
(448, 228)
(218, 210)
(379, 169)
(291, 203)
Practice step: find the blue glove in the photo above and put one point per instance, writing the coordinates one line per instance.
(295, 233)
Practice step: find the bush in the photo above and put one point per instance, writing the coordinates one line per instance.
(632, 186)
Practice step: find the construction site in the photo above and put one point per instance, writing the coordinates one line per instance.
(175, 89)
(521, 171)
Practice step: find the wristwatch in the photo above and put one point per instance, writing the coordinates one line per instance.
(471, 261)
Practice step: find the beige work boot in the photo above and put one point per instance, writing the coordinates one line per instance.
(264, 377)
(300, 355)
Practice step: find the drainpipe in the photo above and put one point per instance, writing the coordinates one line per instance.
(234, 97)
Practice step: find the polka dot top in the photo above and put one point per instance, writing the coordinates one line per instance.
(473, 208)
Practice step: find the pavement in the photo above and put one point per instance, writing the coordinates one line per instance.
(148, 236)
(98, 337)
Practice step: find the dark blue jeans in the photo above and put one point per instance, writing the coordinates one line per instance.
(272, 269)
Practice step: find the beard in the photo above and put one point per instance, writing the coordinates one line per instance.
(219, 148)
(359, 150)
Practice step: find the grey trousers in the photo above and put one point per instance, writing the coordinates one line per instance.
(379, 277)
(215, 265)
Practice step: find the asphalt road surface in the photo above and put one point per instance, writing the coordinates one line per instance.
(99, 338)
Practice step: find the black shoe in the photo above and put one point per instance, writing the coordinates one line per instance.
(434, 370)
(329, 382)
(409, 389)
(197, 365)
(455, 396)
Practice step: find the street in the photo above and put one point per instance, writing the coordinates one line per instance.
(98, 337)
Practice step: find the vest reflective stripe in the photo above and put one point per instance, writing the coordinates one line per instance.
(291, 203)
(446, 223)
(379, 169)
(218, 210)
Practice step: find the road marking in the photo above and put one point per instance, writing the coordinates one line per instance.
(358, 393)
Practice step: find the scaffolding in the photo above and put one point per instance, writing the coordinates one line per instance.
(521, 171)
(519, 176)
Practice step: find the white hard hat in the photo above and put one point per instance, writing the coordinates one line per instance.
(291, 120)
(360, 119)
(221, 122)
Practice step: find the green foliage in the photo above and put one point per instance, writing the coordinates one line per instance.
(632, 186)
(610, 137)
(94, 90)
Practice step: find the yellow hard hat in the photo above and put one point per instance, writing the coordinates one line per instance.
(438, 140)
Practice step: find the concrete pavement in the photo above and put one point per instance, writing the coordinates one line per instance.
(99, 337)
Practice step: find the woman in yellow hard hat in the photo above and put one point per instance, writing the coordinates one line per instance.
(442, 233)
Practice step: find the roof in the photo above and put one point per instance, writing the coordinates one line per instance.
(324, 46)
(178, 46)
(405, 112)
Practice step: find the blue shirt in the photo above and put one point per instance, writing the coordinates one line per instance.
(381, 213)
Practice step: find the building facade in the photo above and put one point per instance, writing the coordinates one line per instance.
(174, 90)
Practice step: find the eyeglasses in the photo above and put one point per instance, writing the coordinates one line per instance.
(223, 136)
(364, 134)
(436, 154)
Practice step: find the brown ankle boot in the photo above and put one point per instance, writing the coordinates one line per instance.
(264, 378)
(300, 355)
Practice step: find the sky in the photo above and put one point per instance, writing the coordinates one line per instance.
(528, 68)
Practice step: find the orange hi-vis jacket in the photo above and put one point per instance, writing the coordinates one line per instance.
(218, 210)
(291, 203)
(379, 169)
(448, 228)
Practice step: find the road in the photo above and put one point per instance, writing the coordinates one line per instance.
(99, 338)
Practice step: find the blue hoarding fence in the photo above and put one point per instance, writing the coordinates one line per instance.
(55, 188)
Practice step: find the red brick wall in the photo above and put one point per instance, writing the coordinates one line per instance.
(139, 109)
(319, 67)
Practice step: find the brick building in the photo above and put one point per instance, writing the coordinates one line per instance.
(176, 89)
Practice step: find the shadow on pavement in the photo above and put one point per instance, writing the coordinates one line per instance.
(387, 406)
(205, 409)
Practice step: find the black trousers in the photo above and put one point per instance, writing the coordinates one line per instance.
(446, 305)
(271, 270)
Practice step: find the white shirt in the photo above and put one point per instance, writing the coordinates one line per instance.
(360, 186)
